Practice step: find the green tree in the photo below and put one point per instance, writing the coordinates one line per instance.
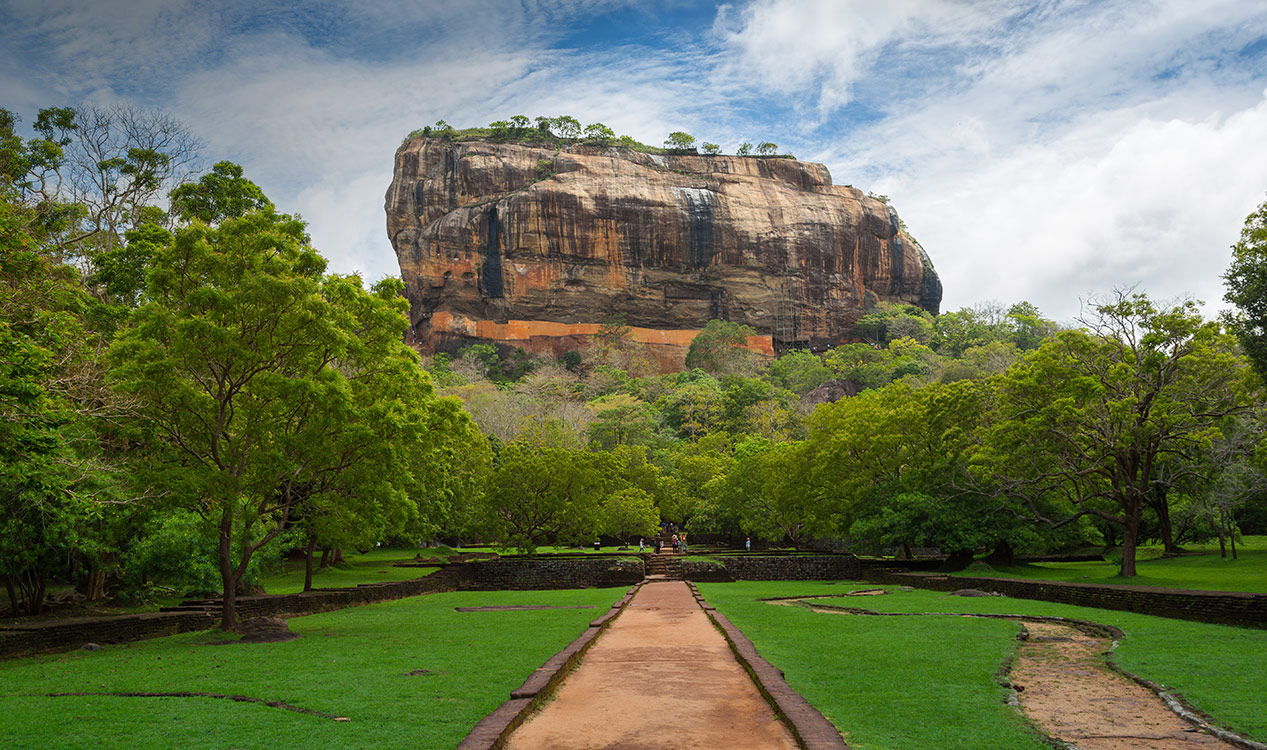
(599, 134)
(540, 494)
(251, 372)
(621, 419)
(766, 148)
(711, 149)
(799, 371)
(745, 149)
(695, 407)
(58, 490)
(519, 123)
(679, 141)
(722, 347)
(565, 126)
(222, 193)
(1246, 280)
(1090, 415)
(629, 512)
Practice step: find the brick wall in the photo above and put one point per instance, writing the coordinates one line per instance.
(1225, 607)
(757, 567)
(72, 633)
(511, 573)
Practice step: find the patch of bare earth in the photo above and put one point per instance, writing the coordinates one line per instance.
(1069, 692)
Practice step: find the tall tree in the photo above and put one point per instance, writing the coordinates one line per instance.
(1246, 280)
(259, 381)
(1091, 414)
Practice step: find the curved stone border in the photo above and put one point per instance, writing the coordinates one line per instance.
(1175, 703)
(810, 728)
(492, 730)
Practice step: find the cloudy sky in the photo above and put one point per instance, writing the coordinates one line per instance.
(1042, 150)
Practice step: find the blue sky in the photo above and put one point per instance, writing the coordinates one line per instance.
(1047, 151)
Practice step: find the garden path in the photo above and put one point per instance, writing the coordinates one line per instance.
(661, 676)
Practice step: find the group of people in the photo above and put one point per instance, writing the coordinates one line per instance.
(678, 540)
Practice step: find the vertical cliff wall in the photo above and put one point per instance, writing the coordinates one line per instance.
(538, 246)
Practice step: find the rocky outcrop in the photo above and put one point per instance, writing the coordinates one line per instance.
(537, 246)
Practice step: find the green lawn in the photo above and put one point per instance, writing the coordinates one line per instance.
(893, 683)
(1206, 571)
(374, 566)
(351, 663)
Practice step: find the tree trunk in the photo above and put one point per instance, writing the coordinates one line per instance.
(96, 585)
(325, 557)
(13, 595)
(1161, 506)
(37, 598)
(1130, 536)
(229, 581)
(312, 544)
(906, 551)
(338, 555)
(1003, 554)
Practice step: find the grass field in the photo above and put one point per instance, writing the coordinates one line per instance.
(374, 566)
(899, 683)
(352, 663)
(1204, 571)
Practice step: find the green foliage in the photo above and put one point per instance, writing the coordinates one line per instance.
(799, 371)
(538, 494)
(178, 549)
(223, 193)
(599, 134)
(766, 148)
(268, 392)
(629, 512)
(1091, 415)
(745, 149)
(679, 141)
(722, 347)
(1246, 280)
(566, 127)
(621, 419)
(712, 149)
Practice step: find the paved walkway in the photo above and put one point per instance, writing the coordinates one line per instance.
(661, 676)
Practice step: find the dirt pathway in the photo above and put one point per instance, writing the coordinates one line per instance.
(661, 676)
(1064, 687)
(1072, 696)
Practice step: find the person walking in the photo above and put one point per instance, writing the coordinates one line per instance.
(747, 544)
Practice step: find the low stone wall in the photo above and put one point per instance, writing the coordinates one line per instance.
(758, 567)
(1223, 607)
(535, 573)
(65, 634)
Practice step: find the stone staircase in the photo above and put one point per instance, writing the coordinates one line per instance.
(665, 565)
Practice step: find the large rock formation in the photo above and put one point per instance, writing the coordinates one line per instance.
(537, 246)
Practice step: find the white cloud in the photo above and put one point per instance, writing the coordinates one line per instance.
(1039, 150)
(826, 46)
(1091, 147)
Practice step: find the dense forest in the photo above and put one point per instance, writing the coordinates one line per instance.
(186, 393)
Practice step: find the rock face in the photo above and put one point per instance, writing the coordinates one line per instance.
(538, 246)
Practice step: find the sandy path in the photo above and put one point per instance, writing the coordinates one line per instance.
(661, 676)
(1073, 696)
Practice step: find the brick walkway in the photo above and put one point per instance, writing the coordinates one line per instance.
(661, 676)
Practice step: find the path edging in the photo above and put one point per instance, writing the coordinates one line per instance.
(810, 729)
(491, 732)
(1172, 701)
